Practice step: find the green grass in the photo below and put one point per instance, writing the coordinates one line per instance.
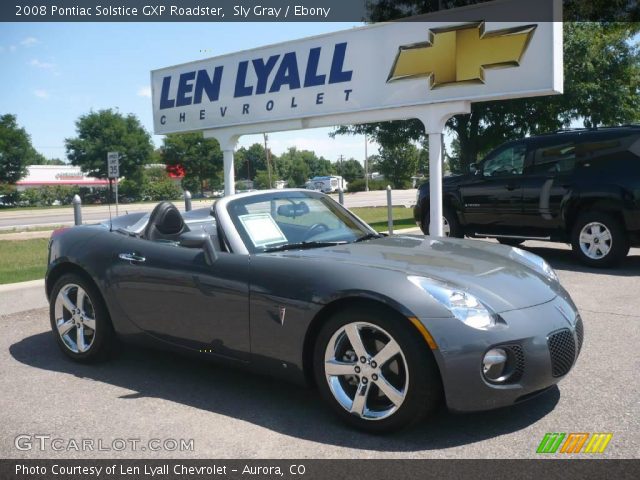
(377, 217)
(22, 260)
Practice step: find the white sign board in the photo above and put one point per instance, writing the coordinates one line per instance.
(113, 165)
(372, 68)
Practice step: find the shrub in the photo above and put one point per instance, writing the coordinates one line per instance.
(162, 190)
(358, 185)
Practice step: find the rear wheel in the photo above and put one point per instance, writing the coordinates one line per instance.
(374, 370)
(80, 320)
(514, 242)
(599, 240)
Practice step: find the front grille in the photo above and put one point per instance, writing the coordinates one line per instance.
(579, 332)
(562, 348)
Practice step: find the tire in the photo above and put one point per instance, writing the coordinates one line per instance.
(598, 239)
(513, 242)
(91, 318)
(412, 371)
(450, 223)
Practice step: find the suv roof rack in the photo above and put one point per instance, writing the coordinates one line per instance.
(592, 129)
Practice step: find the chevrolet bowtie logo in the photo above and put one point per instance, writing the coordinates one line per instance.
(460, 54)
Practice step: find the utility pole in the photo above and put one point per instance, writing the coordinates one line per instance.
(266, 152)
(340, 162)
(366, 165)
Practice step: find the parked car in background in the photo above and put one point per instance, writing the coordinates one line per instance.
(576, 186)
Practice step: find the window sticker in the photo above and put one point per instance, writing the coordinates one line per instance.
(262, 229)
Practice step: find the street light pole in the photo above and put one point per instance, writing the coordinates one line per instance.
(266, 152)
(366, 165)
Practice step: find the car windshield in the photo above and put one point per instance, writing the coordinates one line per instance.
(294, 219)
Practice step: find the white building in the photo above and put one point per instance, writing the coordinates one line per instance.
(50, 175)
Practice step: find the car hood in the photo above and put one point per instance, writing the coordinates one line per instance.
(483, 269)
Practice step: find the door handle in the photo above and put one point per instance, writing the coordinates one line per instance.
(131, 257)
(511, 186)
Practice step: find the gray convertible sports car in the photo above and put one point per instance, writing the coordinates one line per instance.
(290, 283)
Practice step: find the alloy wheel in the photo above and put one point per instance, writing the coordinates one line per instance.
(366, 370)
(75, 318)
(595, 240)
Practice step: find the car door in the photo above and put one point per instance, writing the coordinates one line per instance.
(547, 183)
(172, 293)
(492, 199)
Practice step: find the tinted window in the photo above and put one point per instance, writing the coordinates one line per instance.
(557, 158)
(509, 161)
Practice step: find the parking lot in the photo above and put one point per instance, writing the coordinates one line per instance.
(147, 394)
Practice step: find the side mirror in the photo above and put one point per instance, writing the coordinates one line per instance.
(200, 240)
(475, 169)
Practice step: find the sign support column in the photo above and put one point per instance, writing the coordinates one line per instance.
(228, 144)
(434, 119)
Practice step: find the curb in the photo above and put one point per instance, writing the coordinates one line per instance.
(11, 287)
(23, 296)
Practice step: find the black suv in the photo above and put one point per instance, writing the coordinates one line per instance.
(576, 186)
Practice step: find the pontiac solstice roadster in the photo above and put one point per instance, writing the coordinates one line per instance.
(290, 283)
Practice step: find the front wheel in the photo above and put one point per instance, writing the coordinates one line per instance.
(79, 320)
(375, 370)
(599, 240)
(450, 225)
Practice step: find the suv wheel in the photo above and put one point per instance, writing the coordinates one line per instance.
(450, 224)
(599, 240)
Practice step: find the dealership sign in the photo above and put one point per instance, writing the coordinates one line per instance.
(378, 67)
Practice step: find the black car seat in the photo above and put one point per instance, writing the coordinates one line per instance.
(165, 223)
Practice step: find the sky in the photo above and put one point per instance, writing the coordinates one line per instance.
(52, 73)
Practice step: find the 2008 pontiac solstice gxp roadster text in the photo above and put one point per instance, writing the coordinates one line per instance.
(290, 283)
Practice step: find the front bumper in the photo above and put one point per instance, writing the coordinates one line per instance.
(548, 336)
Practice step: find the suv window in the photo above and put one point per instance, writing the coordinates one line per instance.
(509, 161)
(557, 158)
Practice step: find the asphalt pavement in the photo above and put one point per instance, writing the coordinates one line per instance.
(23, 218)
(144, 394)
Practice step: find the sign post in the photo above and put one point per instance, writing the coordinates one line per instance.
(113, 171)
(429, 69)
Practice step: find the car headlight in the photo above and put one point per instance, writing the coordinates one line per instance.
(462, 305)
(534, 261)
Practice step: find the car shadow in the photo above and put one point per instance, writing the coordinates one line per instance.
(562, 259)
(282, 407)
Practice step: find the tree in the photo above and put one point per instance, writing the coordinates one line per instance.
(319, 166)
(350, 169)
(108, 131)
(249, 160)
(602, 87)
(261, 180)
(293, 165)
(373, 163)
(398, 163)
(16, 151)
(199, 158)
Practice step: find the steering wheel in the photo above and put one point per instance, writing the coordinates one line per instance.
(311, 231)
